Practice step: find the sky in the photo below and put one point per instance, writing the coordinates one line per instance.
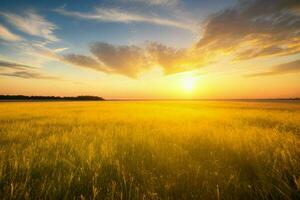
(151, 49)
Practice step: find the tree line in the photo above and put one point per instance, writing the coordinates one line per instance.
(46, 98)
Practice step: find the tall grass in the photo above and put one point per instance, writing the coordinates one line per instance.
(149, 150)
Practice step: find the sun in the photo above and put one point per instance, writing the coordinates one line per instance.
(189, 83)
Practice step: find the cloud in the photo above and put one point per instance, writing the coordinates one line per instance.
(83, 61)
(37, 53)
(5, 34)
(11, 65)
(58, 50)
(32, 24)
(286, 68)
(29, 75)
(129, 60)
(174, 60)
(132, 60)
(123, 16)
(166, 57)
(22, 71)
(254, 28)
(154, 2)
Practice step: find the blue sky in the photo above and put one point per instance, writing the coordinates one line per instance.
(128, 41)
(82, 31)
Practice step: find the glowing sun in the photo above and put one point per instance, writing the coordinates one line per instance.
(189, 83)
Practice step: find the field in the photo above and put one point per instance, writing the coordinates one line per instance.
(150, 150)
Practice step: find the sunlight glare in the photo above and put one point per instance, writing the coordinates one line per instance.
(189, 83)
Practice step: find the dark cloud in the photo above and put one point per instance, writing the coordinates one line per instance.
(22, 71)
(11, 65)
(286, 68)
(28, 75)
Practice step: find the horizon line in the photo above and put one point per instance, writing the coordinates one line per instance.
(197, 99)
(166, 99)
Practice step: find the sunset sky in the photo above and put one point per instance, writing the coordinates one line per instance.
(151, 48)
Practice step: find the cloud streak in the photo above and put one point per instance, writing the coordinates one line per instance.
(11, 65)
(154, 2)
(22, 71)
(29, 75)
(122, 16)
(32, 24)
(5, 34)
(286, 68)
(262, 28)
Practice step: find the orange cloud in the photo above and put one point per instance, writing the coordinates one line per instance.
(259, 27)
(286, 68)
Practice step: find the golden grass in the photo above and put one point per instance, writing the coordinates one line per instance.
(150, 150)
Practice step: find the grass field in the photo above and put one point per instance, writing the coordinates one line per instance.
(149, 150)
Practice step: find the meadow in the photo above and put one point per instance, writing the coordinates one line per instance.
(150, 150)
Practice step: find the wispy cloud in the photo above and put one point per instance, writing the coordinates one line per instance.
(33, 53)
(29, 75)
(58, 50)
(5, 34)
(38, 53)
(123, 16)
(254, 28)
(154, 2)
(33, 24)
(12, 65)
(286, 68)
(12, 69)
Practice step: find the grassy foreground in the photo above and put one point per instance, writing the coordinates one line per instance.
(149, 150)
